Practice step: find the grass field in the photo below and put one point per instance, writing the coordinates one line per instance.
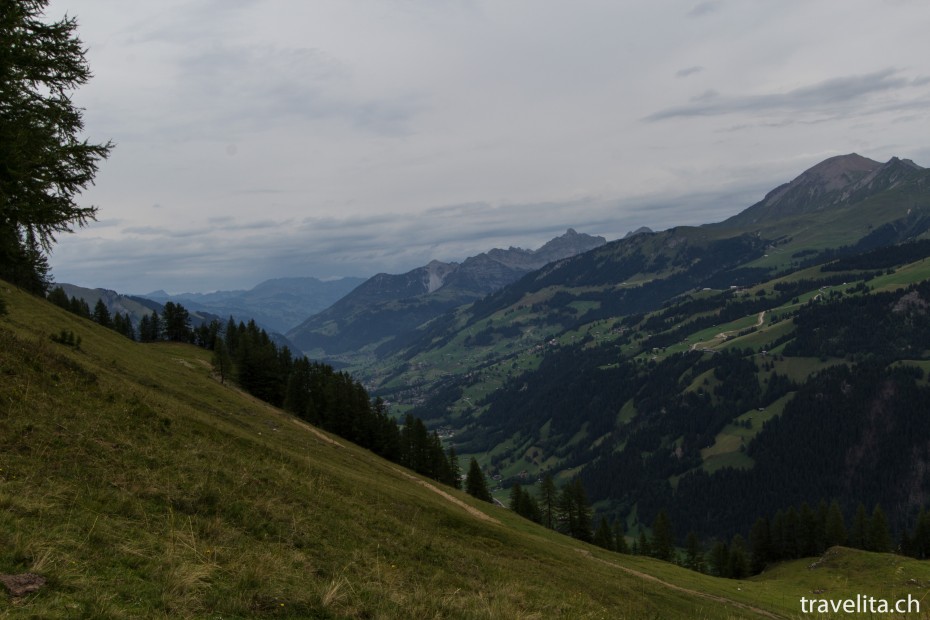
(141, 487)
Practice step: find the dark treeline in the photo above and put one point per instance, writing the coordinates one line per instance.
(118, 322)
(899, 326)
(882, 258)
(566, 510)
(803, 531)
(331, 400)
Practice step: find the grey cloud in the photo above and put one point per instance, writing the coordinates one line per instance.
(160, 231)
(822, 96)
(683, 73)
(254, 88)
(230, 254)
(704, 8)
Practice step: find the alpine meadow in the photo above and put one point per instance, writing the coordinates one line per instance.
(720, 414)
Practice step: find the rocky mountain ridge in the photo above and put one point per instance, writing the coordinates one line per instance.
(386, 305)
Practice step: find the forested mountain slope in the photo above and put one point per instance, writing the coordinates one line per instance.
(665, 368)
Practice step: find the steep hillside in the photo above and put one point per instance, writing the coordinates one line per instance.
(138, 486)
(386, 307)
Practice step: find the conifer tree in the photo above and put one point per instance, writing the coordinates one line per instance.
(177, 322)
(738, 562)
(475, 483)
(454, 468)
(44, 161)
(663, 538)
(58, 297)
(879, 538)
(222, 364)
(859, 535)
(603, 537)
(574, 511)
(694, 553)
(760, 545)
(102, 314)
(720, 559)
(145, 329)
(620, 544)
(835, 526)
(807, 531)
(80, 307)
(548, 498)
(920, 543)
(642, 543)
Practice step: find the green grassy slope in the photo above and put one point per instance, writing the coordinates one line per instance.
(141, 487)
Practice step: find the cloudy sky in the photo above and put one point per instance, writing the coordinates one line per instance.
(271, 138)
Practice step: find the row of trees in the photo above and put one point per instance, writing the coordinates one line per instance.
(798, 533)
(566, 510)
(118, 322)
(328, 399)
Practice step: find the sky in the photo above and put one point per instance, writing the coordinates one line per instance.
(279, 138)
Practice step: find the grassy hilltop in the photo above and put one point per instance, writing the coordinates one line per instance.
(139, 486)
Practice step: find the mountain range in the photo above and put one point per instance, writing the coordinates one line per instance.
(633, 364)
(379, 314)
(277, 304)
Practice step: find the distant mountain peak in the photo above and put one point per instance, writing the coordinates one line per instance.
(830, 175)
(569, 244)
(642, 230)
(834, 181)
(388, 306)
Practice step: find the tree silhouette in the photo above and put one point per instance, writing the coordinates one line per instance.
(44, 163)
(475, 483)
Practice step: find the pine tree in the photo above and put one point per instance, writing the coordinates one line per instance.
(177, 322)
(79, 307)
(642, 544)
(760, 545)
(720, 559)
(475, 483)
(603, 537)
(694, 553)
(859, 535)
(738, 563)
(45, 163)
(548, 499)
(58, 297)
(835, 526)
(574, 511)
(620, 544)
(807, 532)
(879, 538)
(454, 468)
(222, 364)
(102, 314)
(921, 540)
(663, 538)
